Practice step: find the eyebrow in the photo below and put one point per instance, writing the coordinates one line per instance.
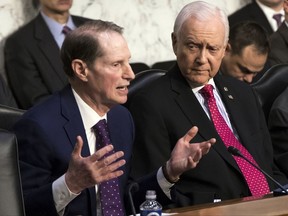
(246, 70)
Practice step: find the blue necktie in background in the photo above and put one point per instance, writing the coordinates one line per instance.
(66, 30)
(278, 17)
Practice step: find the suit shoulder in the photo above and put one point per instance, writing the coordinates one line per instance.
(242, 14)
(22, 31)
(47, 108)
(157, 84)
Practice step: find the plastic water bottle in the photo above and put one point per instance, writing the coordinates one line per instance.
(150, 207)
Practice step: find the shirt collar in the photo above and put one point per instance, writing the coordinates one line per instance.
(55, 27)
(89, 116)
(267, 10)
(197, 89)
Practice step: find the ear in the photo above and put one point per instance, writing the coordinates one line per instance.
(228, 49)
(80, 68)
(174, 42)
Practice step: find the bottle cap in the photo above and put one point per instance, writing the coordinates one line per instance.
(150, 194)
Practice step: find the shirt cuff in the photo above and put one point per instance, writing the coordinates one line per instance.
(61, 194)
(163, 183)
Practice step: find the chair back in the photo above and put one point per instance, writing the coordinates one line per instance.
(9, 116)
(164, 65)
(270, 86)
(139, 66)
(11, 196)
(142, 79)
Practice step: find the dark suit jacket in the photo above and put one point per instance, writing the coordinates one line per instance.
(33, 64)
(251, 12)
(279, 46)
(46, 136)
(278, 127)
(165, 110)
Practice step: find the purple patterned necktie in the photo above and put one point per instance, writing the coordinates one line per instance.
(256, 181)
(109, 190)
(66, 30)
(278, 17)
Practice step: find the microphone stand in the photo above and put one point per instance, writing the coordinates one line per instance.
(234, 151)
(133, 187)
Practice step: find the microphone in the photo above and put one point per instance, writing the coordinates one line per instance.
(132, 188)
(234, 151)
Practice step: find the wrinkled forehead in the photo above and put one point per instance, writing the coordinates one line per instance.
(209, 29)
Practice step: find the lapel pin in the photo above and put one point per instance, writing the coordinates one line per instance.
(225, 89)
(231, 97)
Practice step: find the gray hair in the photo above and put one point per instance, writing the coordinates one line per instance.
(201, 11)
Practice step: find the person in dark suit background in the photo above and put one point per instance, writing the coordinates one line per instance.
(6, 97)
(58, 171)
(32, 61)
(278, 127)
(260, 11)
(246, 52)
(166, 108)
(279, 41)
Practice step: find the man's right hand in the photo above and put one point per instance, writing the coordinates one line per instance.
(85, 172)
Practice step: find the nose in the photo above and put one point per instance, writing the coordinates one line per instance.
(202, 56)
(128, 73)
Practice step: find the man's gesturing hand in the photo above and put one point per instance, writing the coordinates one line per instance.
(85, 172)
(186, 155)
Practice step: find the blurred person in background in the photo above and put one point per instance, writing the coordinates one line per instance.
(267, 13)
(246, 53)
(32, 54)
(279, 42)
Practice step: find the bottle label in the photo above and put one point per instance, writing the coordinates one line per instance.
(151, 213)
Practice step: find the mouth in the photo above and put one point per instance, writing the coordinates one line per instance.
(65, 2)
(122, 88)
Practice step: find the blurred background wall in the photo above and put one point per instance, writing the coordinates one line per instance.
(147, 23)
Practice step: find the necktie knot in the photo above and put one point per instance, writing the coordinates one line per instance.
(278, 17)
(66, 30)
(102, 134)
(207, 92)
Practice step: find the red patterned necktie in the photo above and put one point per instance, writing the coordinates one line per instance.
(109, 191)
(256, 181)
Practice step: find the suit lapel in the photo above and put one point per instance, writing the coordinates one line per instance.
(49, 47)
(260, 17)
(74, 125)
(235, 109)
(283, 31)
(192, 109)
